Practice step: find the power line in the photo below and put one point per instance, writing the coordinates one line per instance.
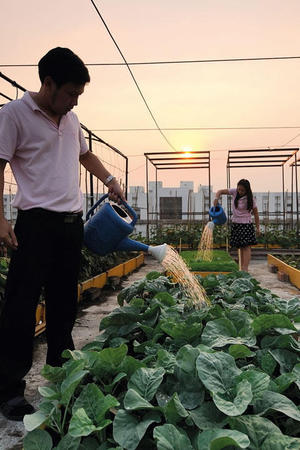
(132, 76)
(283, 127)
(183, 61)
(291, 140)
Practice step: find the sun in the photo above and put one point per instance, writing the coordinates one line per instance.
(187, 152)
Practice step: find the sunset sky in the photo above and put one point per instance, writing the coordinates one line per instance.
(242, 94)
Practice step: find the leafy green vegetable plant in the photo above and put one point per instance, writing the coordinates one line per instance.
(161, 375)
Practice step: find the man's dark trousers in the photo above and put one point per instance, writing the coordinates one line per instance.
(48, 255)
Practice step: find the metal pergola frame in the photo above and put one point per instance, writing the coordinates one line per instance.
(268, 157)
(175, 161)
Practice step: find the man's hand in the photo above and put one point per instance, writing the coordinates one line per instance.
(7, 235)
(115, 192)
(216, 201)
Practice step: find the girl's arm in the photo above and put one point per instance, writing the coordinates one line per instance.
(218, 195)
(256, 218)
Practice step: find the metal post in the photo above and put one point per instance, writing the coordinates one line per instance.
(297, 200)
(91, 175)
(147, 190)
(156, 200)
(126, 179)
(292, 194)
(283, 196)
(209, 181)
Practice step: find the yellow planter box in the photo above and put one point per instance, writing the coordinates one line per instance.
(294, 274)
(100, 280)
(117, 271)
(40, 313)
(129, 266)
(140, 259)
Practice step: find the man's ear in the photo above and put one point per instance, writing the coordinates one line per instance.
(48, 82)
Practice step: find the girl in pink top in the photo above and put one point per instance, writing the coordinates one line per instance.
(242, 230)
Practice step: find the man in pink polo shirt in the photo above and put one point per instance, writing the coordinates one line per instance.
(41, 138)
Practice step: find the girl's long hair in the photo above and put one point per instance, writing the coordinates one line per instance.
(246, 185)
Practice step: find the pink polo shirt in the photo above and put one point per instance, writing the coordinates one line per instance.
(241, 213)
(44, 157)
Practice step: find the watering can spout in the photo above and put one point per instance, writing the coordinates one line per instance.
(129, 245)
(158, 251)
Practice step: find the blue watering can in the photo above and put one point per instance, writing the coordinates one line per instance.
(107, 230)
(217, 215)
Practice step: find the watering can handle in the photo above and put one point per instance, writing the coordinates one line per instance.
(132, 212)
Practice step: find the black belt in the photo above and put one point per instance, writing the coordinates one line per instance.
(65, 217)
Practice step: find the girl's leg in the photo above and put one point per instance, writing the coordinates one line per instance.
(245, 257)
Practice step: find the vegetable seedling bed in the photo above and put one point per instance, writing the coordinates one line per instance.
(221, 262)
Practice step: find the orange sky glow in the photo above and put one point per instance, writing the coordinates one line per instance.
(225, 101)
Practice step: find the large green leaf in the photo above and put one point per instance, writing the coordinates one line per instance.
(68, 442)
(285, 358)
(283, 341)
(217, 371)
(121, 317)
(207, 416)
(259, 381)
(235, 402)
(189, 387)
(129, 365)
(33, 421)
(108, 362)
(128, 430)
(296, 373)
(166, 360)
(146, 381)
(266, 322)
(186, 358)
(266, 361)
(82, 425)
(164, 299)
(240, 351)
(69, 385)
(278, 441)
(94, 402)
(37, 440)
(182, 331)
(223, 331)
(278, 402)
(174, 411)
(289, 307)
(53, 374)
(133, 401)
(284, 381)
(169, 437)
(241, 286)
(255, 427)
(217, 439)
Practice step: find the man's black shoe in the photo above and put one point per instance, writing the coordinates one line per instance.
(16, 408)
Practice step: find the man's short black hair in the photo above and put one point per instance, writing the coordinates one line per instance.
(63, 66)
